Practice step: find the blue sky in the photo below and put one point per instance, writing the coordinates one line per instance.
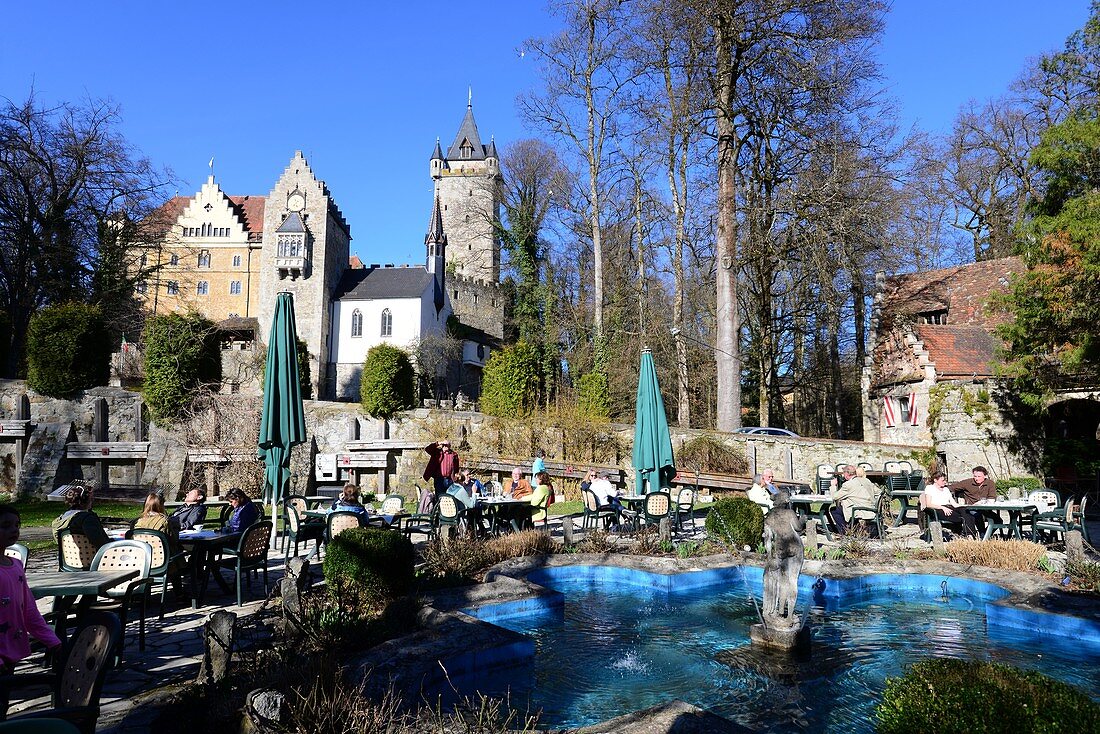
(364, 89)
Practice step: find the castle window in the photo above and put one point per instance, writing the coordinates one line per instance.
(475, 299)
(236, 261)
(356, 323)
(173, 288)
(204, 259)
(235, 288)
(141, 286)
(208, 207)
(234, 315)
(481, 351)
(467, 149)
(455, 297)
(202, 288)
(387, 323)
(174, 260)
(933, 317)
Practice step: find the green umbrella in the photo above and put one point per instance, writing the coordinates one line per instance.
(653, 460)
(283, 423)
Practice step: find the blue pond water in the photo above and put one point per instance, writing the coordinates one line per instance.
(622, 641)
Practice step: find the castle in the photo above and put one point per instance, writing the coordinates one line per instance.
(227, 257)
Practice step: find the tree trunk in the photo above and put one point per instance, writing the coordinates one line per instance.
(594, 211)
(727, 353)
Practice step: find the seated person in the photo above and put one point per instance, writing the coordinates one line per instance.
(472, 485)
(192, 512)
(606, 494)
(541, 496)
(153, 517)
(468, 500)
(519, 488)
(245, 512)
(979, 487)
(937, 497)
(763, 490)
(586, 481)
(79, 518)
(853, 491)
(348, 501)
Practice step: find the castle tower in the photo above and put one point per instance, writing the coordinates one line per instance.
(306, 247)
(467, 185)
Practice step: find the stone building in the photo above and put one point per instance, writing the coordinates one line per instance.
(930, 376)
(227, 257)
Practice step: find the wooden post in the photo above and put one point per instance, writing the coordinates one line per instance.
(664, 530)
(567, 530)
(219, 632)
(140, 430)
(23, 413)
(1075, 546)
(811, 534)
(99, 433)
(935, 532)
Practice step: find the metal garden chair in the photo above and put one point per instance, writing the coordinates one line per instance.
(162, 560)
(249, 556)
(126, 555)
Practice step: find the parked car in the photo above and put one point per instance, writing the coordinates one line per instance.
(766, 431)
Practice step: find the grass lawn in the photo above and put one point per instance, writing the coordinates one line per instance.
(38, 513)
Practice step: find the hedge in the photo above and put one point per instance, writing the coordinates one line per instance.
(68, 350)
(594, 395)
(388, 383)
(737, 520)
(510, 382)
(948, 696)
(376, 563)
(181, 353)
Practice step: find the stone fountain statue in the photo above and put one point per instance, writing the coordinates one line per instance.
(781, 627)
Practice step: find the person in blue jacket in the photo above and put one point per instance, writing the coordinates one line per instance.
(245, 511)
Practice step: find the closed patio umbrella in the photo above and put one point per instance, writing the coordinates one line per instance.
(652, 456)
(283, 422)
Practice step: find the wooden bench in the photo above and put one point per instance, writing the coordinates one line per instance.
(107, 451)
(501, 467)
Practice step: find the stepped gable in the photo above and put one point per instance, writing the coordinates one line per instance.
(961, 290)
(249, 210)
(383, 282)
(333, 209)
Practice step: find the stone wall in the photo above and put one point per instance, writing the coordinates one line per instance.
(331, 425)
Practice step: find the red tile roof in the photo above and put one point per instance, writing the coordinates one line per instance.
(959, 351)
(355, 263)
(961, 290)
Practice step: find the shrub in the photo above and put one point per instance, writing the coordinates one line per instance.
(971, 696)
(1085, 575)
(388, 382)
(594, 395)
(181, 353)
(517, 545)
(710, 454)
(510, 381)
(68, 350)
(376, 563)
(737, 520)
(456, 560)
(1013, 555)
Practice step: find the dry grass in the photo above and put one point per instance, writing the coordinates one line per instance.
(515, 545)
(596, 541)
(462, 557)
(1012, 555)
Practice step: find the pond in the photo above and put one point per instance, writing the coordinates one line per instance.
(622, 640)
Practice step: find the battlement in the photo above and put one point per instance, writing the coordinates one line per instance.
(469, 280)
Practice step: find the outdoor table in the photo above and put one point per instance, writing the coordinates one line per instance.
(992, 510)
(370, 517)
(68, 586)
(205, 545)
(506, 511)
(802, 505)
(314, 501)
(905, 496)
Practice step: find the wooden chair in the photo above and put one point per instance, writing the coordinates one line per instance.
(249, 556)
(74, 551)
(162, 560)
(77, 682)
(19, 552)
(126, 555)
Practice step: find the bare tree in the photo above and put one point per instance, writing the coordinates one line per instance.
(584, 83)
(69, 185)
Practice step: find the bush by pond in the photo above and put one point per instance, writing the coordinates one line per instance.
(737, 520)
(969, 696)
(378, 564)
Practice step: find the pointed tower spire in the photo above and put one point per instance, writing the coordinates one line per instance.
(435, 235)
(467, 145)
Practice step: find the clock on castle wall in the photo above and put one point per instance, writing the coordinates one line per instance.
(296, 201)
